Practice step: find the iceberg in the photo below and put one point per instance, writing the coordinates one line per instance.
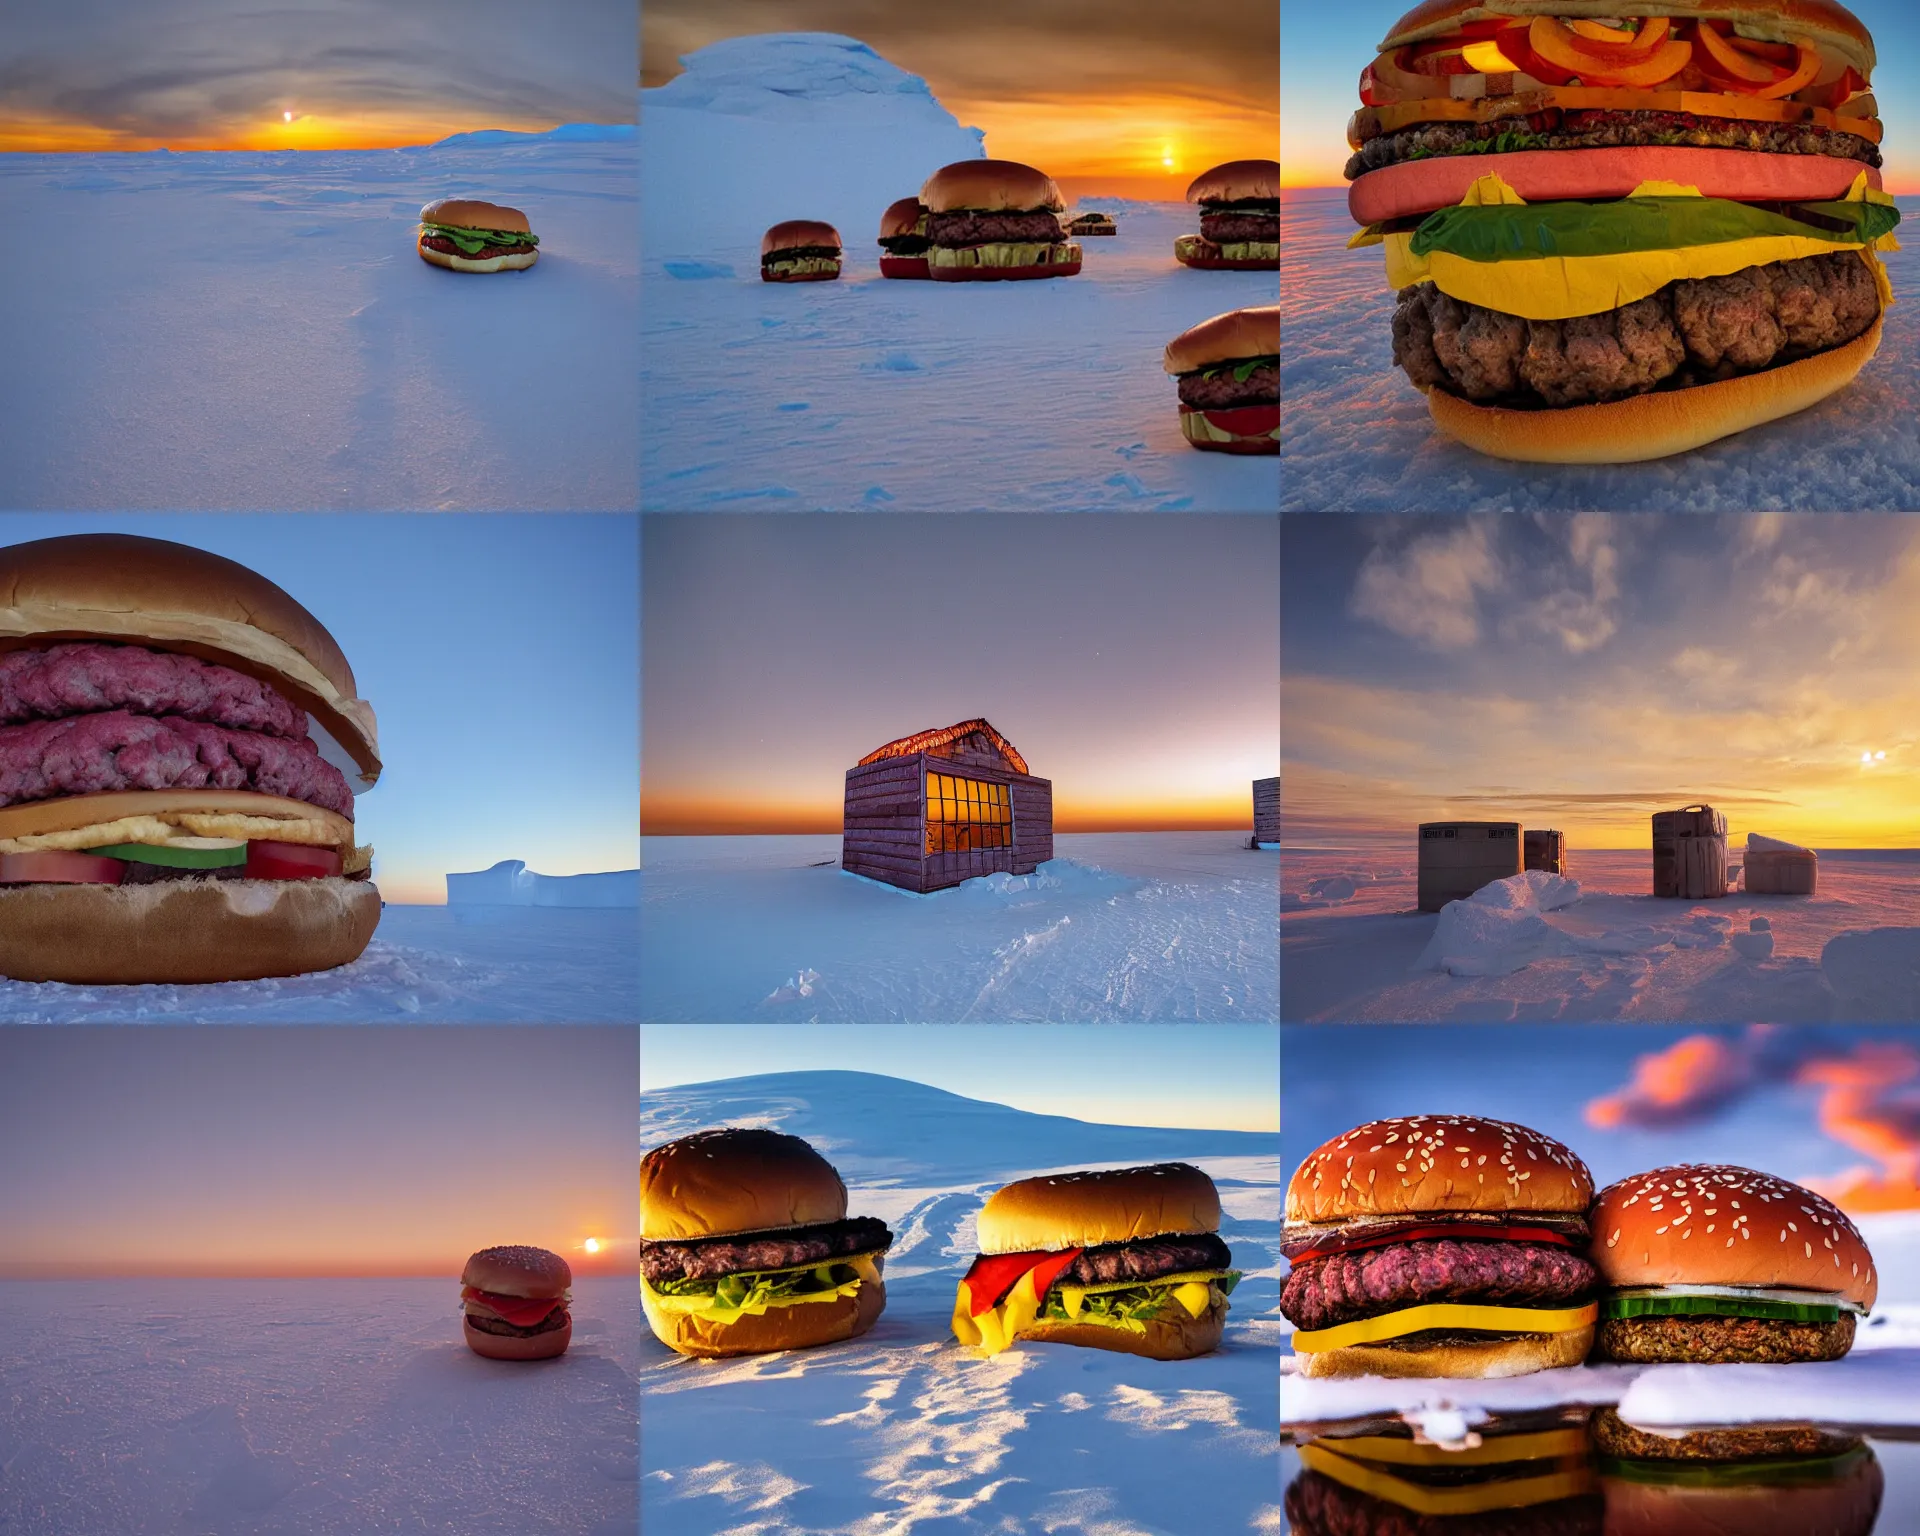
(511, 884)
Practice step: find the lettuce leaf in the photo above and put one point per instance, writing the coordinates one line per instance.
(472, 240)
(1130, 1307)
(1530, 231)
(1241, 368)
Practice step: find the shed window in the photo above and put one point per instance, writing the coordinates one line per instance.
(963, 814)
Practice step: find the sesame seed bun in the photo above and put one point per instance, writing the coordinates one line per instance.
(470, 213)
(716, 1183)
(516, 1270)
(991, 186)
(1084, 1210)
(794, 233)
(1236, 181)
(1251, 332)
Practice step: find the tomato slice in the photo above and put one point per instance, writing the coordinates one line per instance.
(290, 861)
(991, 1276)
(50, 866)
(1246, 420)
(521, 1311)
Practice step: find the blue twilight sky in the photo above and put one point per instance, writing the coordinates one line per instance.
(500, 654)
(1191, 1076)
(1324, 47)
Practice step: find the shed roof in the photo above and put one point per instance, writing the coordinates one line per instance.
(930, 741)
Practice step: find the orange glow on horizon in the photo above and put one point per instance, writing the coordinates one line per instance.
(285, 129)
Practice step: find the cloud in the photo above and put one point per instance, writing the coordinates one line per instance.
(1429, 590)
(1579, 611)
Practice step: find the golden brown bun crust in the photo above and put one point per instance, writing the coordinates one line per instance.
(1500, 1357)
(1251, 332)
(1431, 1163)
(1178, 1338)
(1822, 20)
(902, 217)
(1083, 1210)
(795, 233)
(517, 1270)
(541, 1346)
(183, 931)
(517, 261)
(714, 1183)
(996, 186)
(134, 590)
(802, 1327)
(36, 817)
(468, 213)
(1657, 425)
(1712, 1224)
(1235, 181)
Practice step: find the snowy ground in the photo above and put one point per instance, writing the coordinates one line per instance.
(1356, 436)
(441, 965)
(903, 1432)
(1151, 927)
(867, 393)
(307, 1408)
(1356, 950)
(255, 330)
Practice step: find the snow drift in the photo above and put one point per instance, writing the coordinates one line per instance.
(511, 884)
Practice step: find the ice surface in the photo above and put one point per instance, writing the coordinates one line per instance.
(308, 1408)
(1154, 927)
(566, 133)
(511, 884)
(255, 330)
(1357, 436)
(905, 1431)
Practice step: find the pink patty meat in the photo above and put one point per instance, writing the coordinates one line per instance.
(95, 754)
(88, 678)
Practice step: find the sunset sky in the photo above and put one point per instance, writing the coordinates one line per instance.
(313, 1152)
(1131, 660)
(1100, 96)
(1328, 45)
(1584, 672)
(322, 74)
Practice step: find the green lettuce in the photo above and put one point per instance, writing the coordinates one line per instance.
(1518, 232)
(473, 240)
(1128, 1308)
(736, 1291)
(1242, 368)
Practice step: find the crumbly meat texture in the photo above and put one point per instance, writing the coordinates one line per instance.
(965, 228)
(555, 1320)
(1232, 228)
(117, 750)
(746, 1252)
(1596, 128)
(1319, 1506)
(1148, 1259)
(1709, 1340)
(1613, 1436)
(1224, 391)
(87, 677)
(1345, 1287)
(1694, 331)
(486, 252)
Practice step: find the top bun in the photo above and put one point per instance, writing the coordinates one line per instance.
(1822, 21)
(992, 186)
(1083, 1210)
(1710, 1224)
(1238, 333)
(715, 1183)
(467, 213)
(902, 217)
(1425, 1164)
(1235, 181)
(139, 591)
(517, 1271)
(798, 232)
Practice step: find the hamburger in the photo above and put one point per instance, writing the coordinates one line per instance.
(180, 747)
(1618, 232)
(1093, 224)
(1806, 1483)
(1439, 1245)
(992, 219)
(466, 235)
(513, 1304)
(1705, 1264)
(1239, 218)
(903, 239)
(1229, 373)
(800, 251)
(1129, 1260)
(746, 1247)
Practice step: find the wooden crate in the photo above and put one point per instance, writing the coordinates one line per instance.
(1690, 853)
(1546, 851)
(1781, 871)
(1266, 810)
(1458, 857)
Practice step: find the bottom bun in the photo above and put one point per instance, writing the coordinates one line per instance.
(1004, 274)
(1657, 425)
(1179, 1338)
(802, 1327)
(518, 262)
(799, 277)
(1225, 264)
(539, 1346)
(905, 266)
(184, 931)
(1199, 434)
(1498, 1357)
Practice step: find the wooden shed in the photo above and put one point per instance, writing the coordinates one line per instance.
(1458, 857)
(1266, 810)
(1690, 853)
(938, 807)
(1546, 850)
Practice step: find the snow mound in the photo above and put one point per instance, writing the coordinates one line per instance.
(1874, 974)
(1758, 844)
(1501, 927)
(566, 133)
(1757, 942)
(1326, 890)
(511, 884)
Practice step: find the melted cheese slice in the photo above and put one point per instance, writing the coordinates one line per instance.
(1567, 1481)
(1445, 1314)
(997, 1328)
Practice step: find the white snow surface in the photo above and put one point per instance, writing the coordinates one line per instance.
(868, 393)
(510, 883)
(238, 331)
(308, 1408)
(1758, 843)
(1593, 946)
(1149, 927)
(426, 965)
(905, 1433)
(1356, 436)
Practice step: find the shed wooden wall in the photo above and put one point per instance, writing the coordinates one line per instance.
(884, 836)
(1266, 810)
(1032, 820)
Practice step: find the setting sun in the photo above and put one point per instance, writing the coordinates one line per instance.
(286, 117)
(593, 1245)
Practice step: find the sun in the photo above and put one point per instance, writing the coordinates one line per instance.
(592, 1245)
(286, 117)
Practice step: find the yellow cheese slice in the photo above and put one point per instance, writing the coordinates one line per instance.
(1493, 1450)
(1566, 1481)
(1445, 1314)
(995, 1329)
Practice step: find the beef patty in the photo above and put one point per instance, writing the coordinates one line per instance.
(710, 1258)
(1709, 1340)
(485, 253)
(966, 228)
(907, 245)
(557, 1319)
(1231, 228)
(1345, 1287)
(88, 678)
(1223, 391)
(1147, 1260)
(800, 253)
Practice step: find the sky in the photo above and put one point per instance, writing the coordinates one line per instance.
(1835, 1109)
(1324, 48)
(303, 1153)
(318, 74)
(1132, 660)
(1585, 671)
(498, 653)
(1210, 1077)
(1100, 94)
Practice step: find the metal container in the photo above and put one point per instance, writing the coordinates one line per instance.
(1458, 857)
(1690, 853)
(1546, 851)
